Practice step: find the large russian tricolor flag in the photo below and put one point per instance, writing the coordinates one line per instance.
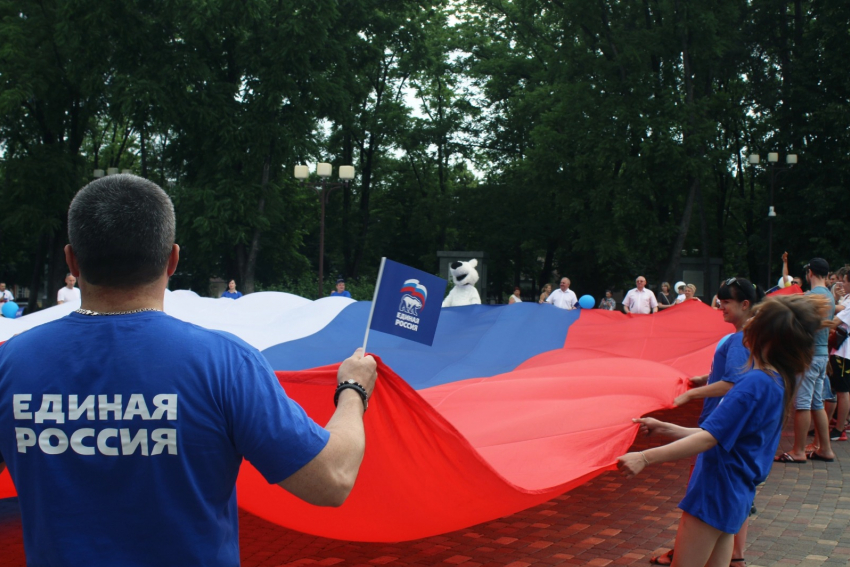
(511, 405)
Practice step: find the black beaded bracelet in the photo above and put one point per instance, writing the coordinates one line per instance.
(352, 385)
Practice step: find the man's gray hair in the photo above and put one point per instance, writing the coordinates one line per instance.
(121, 228)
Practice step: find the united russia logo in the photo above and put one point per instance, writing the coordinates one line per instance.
(413, 299)
(398, 307)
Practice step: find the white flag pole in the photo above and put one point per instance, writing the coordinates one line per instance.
(374, 298)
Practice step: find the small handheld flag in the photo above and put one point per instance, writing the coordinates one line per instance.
(401, 304)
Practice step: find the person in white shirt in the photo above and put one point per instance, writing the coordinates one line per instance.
(563, 297)
(515, 297)
(640, 300)
(69, 292)
(5, 294)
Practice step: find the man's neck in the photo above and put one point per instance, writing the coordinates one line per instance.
(118, 300)
(817, 282)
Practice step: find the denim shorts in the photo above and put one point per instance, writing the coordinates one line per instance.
(810, 391)
(828, 392)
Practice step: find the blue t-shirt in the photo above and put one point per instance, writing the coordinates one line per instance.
(343, 293)
(822, 336)
(124, 436)
(232, 295)
(729, 364)
(747, 425)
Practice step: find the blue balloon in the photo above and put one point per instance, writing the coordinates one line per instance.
(587, 302)
(10, 309)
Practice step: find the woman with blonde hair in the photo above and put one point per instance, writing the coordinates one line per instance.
(690, 293)
(737, 442)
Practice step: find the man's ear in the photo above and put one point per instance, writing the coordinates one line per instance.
(71, 260)
(173, 259)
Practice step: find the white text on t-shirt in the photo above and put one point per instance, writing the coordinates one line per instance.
(88, 440)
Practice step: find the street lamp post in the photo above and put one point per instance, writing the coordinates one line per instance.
(772, 160)
(323, 189)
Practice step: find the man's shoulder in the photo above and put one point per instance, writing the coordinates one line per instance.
(822, 290)
(158, 326)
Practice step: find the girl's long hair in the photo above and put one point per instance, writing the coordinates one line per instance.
(781, 334)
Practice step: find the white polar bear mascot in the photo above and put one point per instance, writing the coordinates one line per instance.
(464, 277)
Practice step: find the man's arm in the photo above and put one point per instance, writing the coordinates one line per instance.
(627, 303)
(653, 303)
(328, 479)
(716, 390)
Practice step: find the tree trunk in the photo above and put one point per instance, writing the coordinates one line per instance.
(691, 151)
(248, 261)
(546, 272)
(517, 265)
(37, 274)
(365, 193)
(143, 151)
(347, 237)
(57, 269)
(704, 238)
(752, 262)
(684, 224)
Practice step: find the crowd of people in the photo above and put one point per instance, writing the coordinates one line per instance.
(639, 300)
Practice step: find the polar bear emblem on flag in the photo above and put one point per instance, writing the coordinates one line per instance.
(413, 298)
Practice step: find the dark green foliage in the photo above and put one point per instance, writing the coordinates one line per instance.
(592, 139)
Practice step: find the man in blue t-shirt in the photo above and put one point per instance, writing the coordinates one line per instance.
(340, 289)
(813, 386)
(231, 292)
(125, 438)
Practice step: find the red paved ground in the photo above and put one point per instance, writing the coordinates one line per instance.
(803, 520)
(607, 521)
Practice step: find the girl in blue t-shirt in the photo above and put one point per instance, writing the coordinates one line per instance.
(737, 442)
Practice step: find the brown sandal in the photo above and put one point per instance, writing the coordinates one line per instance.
(663, 559)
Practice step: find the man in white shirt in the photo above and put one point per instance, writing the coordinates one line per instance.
(5, 294)
(640, 300)
(564, 297)
(69, 292)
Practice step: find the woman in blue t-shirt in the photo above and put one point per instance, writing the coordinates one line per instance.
(231, 292)
(738, 298)
(736, 443)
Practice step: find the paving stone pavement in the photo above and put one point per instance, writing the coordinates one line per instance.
(802, 519)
